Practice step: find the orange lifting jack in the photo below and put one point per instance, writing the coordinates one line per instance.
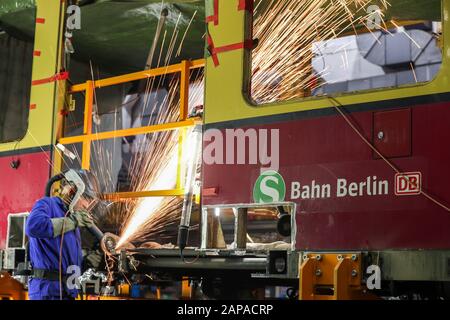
(10, 288)
(331, 276)
(186, 289)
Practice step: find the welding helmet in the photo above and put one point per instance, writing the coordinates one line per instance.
(92, 187)
(92, 192)
(83, 184)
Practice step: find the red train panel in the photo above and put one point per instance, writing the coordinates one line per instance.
(352, 202)
(21, 187)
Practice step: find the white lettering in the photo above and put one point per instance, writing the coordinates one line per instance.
(383, 187)
(74, 17)
(295, 190)
(72, 281)
(272, 161)
(353, 189)
(269, 191)
(243, 147)
(374, 280)
(213, 152)
(241, 136)
(341, 188)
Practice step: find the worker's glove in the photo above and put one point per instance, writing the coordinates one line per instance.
(82, 219)
(70, 223)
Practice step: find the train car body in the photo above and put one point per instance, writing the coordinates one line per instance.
(348, 198)
(20, 187)
(364, 172)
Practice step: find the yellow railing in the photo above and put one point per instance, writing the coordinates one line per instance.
(88, 136)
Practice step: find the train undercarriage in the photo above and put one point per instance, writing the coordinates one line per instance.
(244, 269)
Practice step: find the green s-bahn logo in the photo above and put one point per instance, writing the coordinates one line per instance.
(269, 187)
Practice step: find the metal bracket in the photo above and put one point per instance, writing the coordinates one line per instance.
(331, 276)
(71, 103)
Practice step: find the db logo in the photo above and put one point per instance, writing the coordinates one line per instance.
(408, 183)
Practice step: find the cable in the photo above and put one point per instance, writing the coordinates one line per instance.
(60, 255)
(14, 150)
(349, 122)
(189, 262)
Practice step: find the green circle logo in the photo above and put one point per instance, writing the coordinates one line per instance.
(269, 187)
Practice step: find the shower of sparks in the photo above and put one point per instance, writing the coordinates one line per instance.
(147, 207)
(155, 167)
(154, 162)
(293, 27)
(152, 216)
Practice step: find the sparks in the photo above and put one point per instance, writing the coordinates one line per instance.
(146, 207)
(287, 73)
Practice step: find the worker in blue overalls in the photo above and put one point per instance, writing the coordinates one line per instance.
(50, 225)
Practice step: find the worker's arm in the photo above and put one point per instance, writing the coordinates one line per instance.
(40, 225)
(71, 222)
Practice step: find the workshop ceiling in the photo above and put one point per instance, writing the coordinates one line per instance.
(117, 35)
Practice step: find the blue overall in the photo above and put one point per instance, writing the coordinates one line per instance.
(45, 249)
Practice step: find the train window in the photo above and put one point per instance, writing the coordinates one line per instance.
(319, 47)
(16, 60)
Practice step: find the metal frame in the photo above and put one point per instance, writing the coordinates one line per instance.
(399, 265)
(411, 265)
(16, 215)
(88, 136)
(235, 207)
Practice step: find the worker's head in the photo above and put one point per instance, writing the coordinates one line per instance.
(91, 194)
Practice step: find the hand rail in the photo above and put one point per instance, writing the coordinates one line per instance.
(88, 136)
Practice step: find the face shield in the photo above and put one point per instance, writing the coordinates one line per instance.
(92, 194)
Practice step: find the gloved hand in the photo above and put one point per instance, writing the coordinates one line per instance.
(70, 223)
(82, 218)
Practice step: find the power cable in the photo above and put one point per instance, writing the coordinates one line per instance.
(338, 108)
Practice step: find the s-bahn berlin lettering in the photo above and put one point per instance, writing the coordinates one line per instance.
(371, 186)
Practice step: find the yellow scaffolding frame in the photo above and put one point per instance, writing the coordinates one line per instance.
(184, 68)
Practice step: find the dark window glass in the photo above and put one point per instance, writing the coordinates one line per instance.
(16, 230)
(16, 59)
